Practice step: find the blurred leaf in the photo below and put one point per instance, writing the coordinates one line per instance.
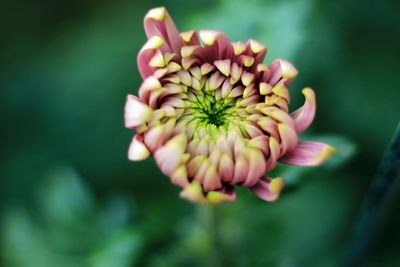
(69, 229)
(64, 198)
(122, 250)
(263, 21)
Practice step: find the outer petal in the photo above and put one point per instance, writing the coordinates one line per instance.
(150, 84)
(179, 177)
(154, 137)
(226, 167)
(193, 192)
(257, 50)
(217, 45)
(282, 71)
(257, 167)
(146, 54)
(304, 116)
(268, 189)
(190, 38)
(288, 137)
(158, 22)
(169, 156)
(136, 112)
(212, 180)
(274, 153)
(240, 170)
(308, 154)
(226, 194)
(138, 150)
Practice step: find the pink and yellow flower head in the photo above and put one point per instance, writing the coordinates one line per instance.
(214, 116)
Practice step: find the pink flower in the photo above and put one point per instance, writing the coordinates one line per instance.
(214, 116)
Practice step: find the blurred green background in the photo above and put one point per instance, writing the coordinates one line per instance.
(70, 197)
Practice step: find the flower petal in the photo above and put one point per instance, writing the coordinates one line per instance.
(257, 167)
(282, 71)
(158, 22)
(138, 150)
(260, 142)
(211, 180)
(240, 170)
(217, 45)
(288, 137)
(225, 194)
(146, 54)
(190, 37)
(179, 177)
(154, 137)
(308, 153)
(136, 112)
(193, 192)
(257, 49)
(150, 84)
(169, 156)
(274, 153)
(226, 167)
(304, 116)
(268, 189)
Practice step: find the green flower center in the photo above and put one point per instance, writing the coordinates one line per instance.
(208, 110)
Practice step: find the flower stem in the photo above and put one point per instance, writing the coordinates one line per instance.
(377, 202)
(208, 216)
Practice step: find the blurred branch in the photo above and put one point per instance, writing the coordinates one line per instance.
(384, 186)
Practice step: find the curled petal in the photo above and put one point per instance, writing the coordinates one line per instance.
(278, 115)
(269, 126)
(190, 38)
(179, 177)
(146, 55)
(138, 150)
(304, 116)
(260, 142)
(257, 49)
(241, 169)
(238, 48)
(212, 180)
(274, 153)
(282, 70)
(154, 137)
(194, 193)
(200, 175)
(257, 167)
(224, 66)
(308, 153)
(268, 189)
(288, 137)
(282, 91)
(262, 72)
(236, 73)
(195, 164)
(158, 22)
(225, 194)
(136, 112)
(169, 156)
(150, 84)
(226, 167)
(216, 43)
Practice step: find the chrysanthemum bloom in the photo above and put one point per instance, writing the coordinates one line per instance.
(214, 116)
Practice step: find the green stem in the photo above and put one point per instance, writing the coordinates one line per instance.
(384, 186)
(209, 220)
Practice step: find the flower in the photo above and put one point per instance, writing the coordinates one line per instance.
(214, 116)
